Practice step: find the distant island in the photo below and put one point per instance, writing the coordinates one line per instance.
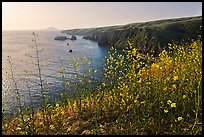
(147, 36)
(51, 29)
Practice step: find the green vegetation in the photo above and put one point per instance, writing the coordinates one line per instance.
(137, 97)
(147, 36)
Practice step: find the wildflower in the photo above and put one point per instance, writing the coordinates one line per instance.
(41, 123)
(140, 81)
(103, 84)
(165, 89)
(123, 101)
(135, 101)
(69, 129)
(52, 127)
(100, 126)
(129, 43)
(174, 86)
(169, 102)
(173, 105)
(142, 102)
(134, 52)
(89, 63)
(179, 118)
(57, 105)
(168, 78)
(166, 111)
(184, 96)
(175, 78)
(155, 65)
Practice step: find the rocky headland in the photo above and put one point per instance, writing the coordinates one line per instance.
(147, 36)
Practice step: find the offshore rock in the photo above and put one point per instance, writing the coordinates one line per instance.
(60, 38)
(73, 37)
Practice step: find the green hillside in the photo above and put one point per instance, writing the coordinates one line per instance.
(153, 35)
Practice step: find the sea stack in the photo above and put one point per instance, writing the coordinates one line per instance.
(60, 38)
(73, 37)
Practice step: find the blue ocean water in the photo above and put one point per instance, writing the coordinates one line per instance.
(20, 47)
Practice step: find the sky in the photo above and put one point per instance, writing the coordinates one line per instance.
(71, 15)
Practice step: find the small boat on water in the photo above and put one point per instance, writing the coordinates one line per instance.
(67, 43)
(70, 50)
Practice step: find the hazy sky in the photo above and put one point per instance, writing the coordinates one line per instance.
(69, 15)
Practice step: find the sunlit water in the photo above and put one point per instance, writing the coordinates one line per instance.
(18, 45)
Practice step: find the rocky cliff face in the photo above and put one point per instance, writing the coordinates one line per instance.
(154, 35)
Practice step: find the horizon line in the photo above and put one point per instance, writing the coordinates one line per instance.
(47, 29)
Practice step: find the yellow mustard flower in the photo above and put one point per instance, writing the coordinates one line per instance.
(166, 111)
(155, 65)
(134, 52)
(140, 80)
(175, 78)
(52, 127)
(135, 101)
(57, 105)
(123, 101)
(165, 89)
(168, 78)
(174, 86)
(173, 105)
(169, 102)
(142, 102)
(179, 118)
(184, 96)
(69, 129)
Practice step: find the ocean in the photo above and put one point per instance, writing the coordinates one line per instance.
(19, 45)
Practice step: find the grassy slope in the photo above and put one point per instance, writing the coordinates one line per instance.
(157, 34)
(162, 98)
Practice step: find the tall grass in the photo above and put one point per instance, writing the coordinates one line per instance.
(152, 96)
